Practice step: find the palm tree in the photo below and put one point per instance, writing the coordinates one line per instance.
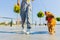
(40, 15)
(58, 18)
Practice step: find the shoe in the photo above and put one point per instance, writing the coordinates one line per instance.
(24, 30)
(27, 33)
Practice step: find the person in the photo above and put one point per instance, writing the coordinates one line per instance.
(51, 22)
(26, 10)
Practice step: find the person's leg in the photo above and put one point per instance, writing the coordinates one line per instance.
(23, 21)
(23, 18)
(28, 17)
(28, 23)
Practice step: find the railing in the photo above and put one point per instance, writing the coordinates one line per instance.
(17, 22)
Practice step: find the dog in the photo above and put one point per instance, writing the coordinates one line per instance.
(51, 22)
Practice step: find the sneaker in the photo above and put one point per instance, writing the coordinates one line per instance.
(24, 30)
(27, 33)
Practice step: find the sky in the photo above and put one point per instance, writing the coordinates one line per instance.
(6, 8)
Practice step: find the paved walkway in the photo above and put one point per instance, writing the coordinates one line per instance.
(37, 33)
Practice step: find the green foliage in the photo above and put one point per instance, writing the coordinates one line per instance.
(3, 23)
(17, 9)
(40, 14)
(58, 18)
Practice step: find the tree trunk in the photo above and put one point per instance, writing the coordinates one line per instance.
(40, 21)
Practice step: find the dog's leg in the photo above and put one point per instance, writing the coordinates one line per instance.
(52, 30)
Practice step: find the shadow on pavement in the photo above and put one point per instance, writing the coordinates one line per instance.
(40, 32)
(19, 32)
(14, 32)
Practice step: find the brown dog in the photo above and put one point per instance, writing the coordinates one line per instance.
(51, 22)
